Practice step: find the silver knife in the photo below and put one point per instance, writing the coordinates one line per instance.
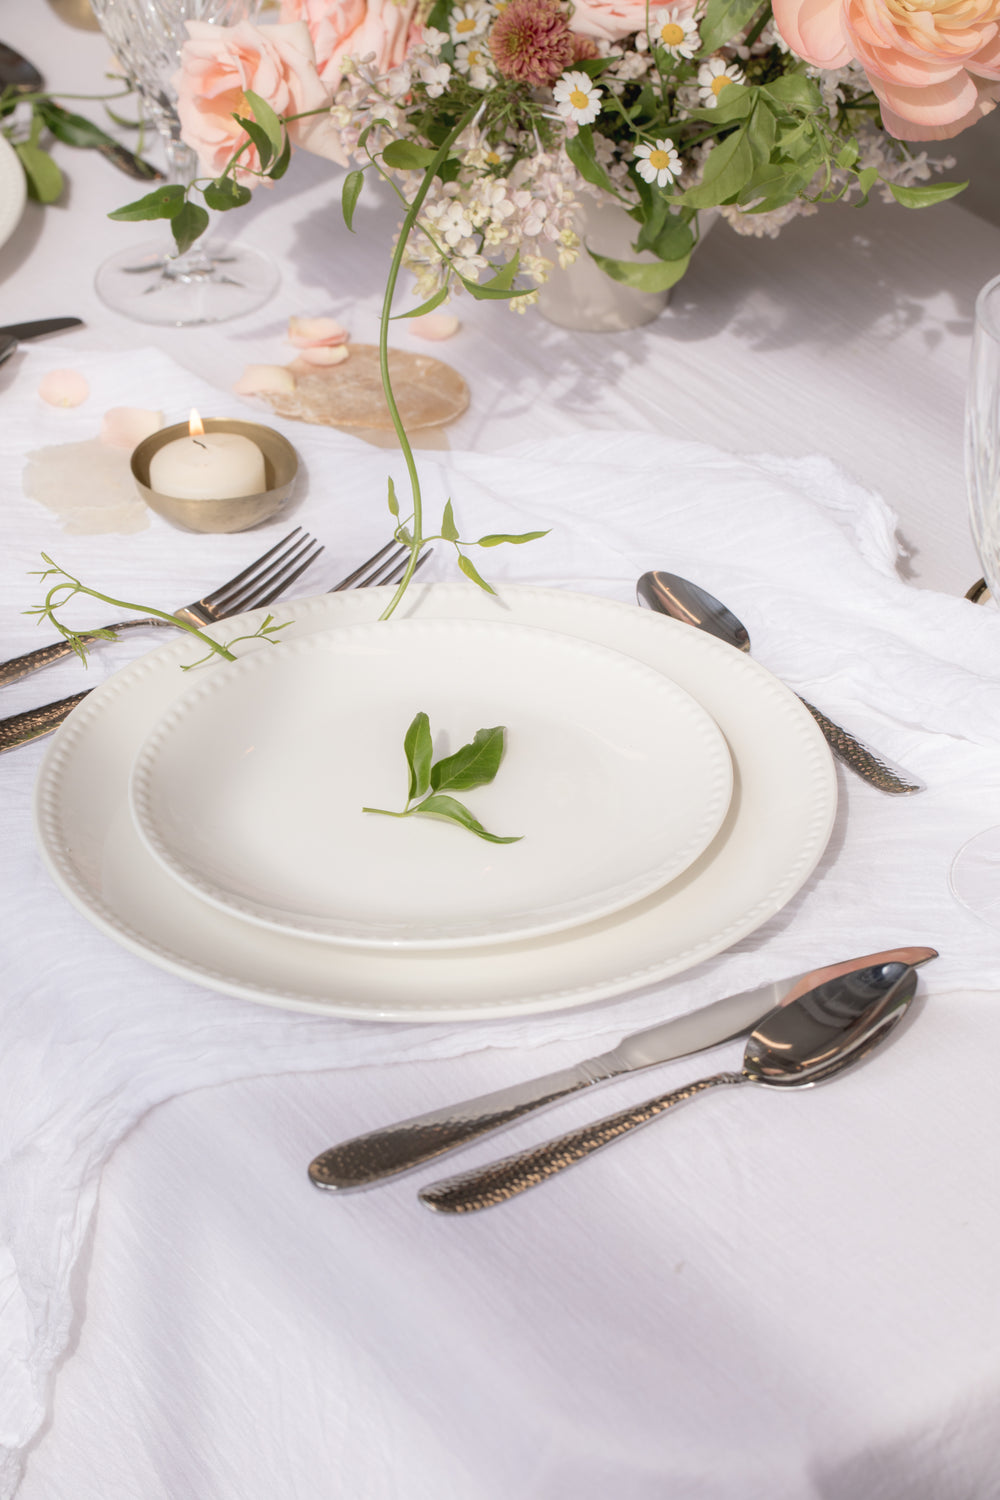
(40, 327)
(369, 1159)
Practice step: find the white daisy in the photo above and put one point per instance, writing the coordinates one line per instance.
(467, 21)
(675, 32)
(577, 98)
(714, 76)
(470, 59)
(660, 163)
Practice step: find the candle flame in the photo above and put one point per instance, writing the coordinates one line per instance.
(196, 426)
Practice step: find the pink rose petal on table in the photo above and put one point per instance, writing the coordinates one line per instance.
(63, 388)
(324, 354)
(435, 326)
(256, 379)
(312, 333)
(126, 426)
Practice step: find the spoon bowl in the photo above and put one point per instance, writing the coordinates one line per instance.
(669, 594)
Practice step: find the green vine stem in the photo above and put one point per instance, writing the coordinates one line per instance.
(431, 170)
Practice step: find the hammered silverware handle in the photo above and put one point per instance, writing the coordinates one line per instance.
(368, 1159)
(487, 1186)
(21, 729)
(31, 661)
(862, 761)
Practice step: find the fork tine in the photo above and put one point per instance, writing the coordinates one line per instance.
(248, 592)
(352, 578)
(287, 579)
(400, 568)
(216, 595)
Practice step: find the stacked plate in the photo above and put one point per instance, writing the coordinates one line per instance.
(667, 794)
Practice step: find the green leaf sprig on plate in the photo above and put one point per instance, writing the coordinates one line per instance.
(431, 781)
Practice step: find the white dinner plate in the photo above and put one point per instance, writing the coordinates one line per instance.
(777, 825)
(255, 788)
(13, 190)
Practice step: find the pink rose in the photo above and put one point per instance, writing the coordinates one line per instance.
(610, 20)
(934, 69)
(355, 28)
(220, 63)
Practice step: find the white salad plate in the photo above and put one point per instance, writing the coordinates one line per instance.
(255, 788)
(774, 832)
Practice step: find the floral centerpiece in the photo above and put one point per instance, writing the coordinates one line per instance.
(492, 119)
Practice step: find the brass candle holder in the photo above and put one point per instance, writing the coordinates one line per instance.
(239, 512)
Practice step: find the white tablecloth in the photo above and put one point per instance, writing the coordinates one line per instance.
(768, 1296)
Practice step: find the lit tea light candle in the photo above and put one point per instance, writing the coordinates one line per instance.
(208, 466)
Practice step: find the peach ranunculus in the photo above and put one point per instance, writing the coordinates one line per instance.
(610, 20)
(385, 29)
(220, 63)
(933, 64)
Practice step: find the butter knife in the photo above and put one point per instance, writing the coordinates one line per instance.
(368, 1159)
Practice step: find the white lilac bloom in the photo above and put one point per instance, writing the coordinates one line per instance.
(577, 98)
(675, 32)
(660, 163)
(432, 40)
(714, 76)
(468, 21)
(470, 59)
(435, 77)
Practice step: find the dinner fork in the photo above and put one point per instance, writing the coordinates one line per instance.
(386, 566)
(256, 586)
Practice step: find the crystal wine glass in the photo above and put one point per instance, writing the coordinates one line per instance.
(975, 873)
(153, 283)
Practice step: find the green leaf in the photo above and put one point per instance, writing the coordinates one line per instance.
(673, 240)
(189, 225)
(349, 195)
(762, 132)
(923, 197)
(474, 765)
(723, 19)
(726, 171)
(448, 528)
(580, 150)
(418, 748)
(504, 278)
(447, 807)
(165, 203)
(866, 181)
(647, 276)
(847, 155)
(467, 567)
(280, 167)
(258, 138)
(404, 156)
(268, 121)
(735, 102)
(45, 181)
(393, 502)
(497, 538)
(794, 91)
(224, 193)
(425, 307)
(72, 130)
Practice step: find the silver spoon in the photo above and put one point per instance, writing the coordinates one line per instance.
(669, 594)
(801, 1043)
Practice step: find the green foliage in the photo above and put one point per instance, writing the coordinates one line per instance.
(349, 195)
(188, 225)
(430, 781)
(45, 181)
(164, 203)
(225, 193)
(723, 20)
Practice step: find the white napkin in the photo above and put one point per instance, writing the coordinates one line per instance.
(93, 1037)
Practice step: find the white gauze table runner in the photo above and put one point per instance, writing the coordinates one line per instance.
(93, 1037)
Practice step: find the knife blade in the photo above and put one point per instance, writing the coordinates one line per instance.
(40, 327)
(366, 1160)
